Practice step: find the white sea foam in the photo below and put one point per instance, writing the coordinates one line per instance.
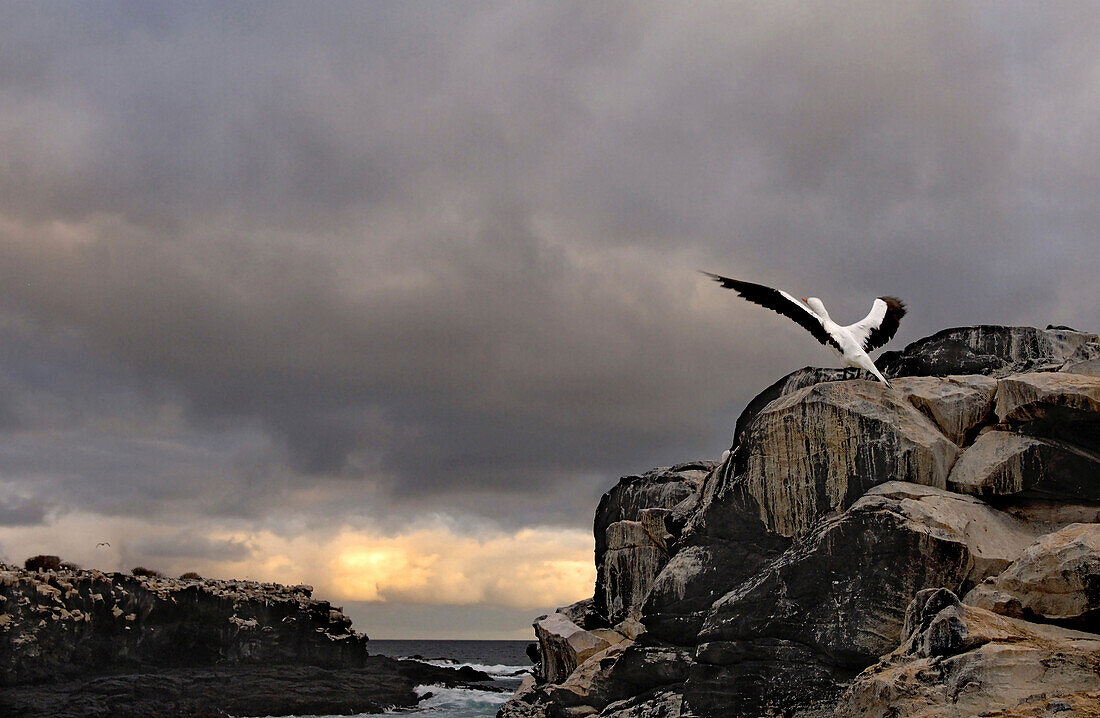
(444, 702)
(495, 670)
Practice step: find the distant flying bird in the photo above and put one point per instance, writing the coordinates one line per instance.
(103, 543)
(851, 342)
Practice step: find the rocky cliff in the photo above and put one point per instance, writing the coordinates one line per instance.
(927, 549)
(88, 643)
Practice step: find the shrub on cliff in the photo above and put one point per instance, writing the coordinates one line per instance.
(43, 562)
(190, 576)
(70, 566)
(142, 571)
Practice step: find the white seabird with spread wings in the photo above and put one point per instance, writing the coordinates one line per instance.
(851, 342)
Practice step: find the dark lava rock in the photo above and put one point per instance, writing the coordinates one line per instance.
(71, 623)
(985, 349)
(242, 690)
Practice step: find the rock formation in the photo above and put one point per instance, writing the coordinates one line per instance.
(88, 643)
(817, 570)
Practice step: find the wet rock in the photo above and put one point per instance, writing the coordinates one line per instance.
(529, 701)
(241, 690)
(1056, 579)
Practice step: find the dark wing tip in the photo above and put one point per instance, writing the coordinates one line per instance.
(888, 327)
(894, 306)
(724, 281)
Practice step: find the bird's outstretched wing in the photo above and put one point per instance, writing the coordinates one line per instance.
(880, 325)
(779, 301)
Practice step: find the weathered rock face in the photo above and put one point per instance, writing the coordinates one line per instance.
(1057, 579)
(563, 645)
(789, 570)
(1086, 360)
(958, 660)
(82, 621)
(78, 644)
(1002, 463)
(632, 540)
(1054, 405)
(793, 634)
(993, 350)
(831, 442)
(957, 404)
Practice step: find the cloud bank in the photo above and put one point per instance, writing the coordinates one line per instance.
(269, 268)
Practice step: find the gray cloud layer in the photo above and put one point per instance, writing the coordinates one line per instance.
(410, 257)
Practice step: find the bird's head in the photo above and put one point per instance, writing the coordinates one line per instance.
(815, 304)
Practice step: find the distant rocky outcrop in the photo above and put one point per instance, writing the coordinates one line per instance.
(817, 570)
(88, 643)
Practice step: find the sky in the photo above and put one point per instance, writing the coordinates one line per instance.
(381, 297)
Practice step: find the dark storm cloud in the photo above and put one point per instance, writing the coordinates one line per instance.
(22, 511)
(194, 547)
(448, 252)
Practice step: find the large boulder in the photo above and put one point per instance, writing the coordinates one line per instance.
(632, 542)
(1052, 404)
(958, 660)
(959, 405)
(815, 451)
(798, 379)
(1057, 579)
(621, 671)
(988, 349)
(791, 636)
(563, 645)
(1003, 463)
(698, 575)
(1086, 360)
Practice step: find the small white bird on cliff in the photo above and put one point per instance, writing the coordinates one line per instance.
(851, 342)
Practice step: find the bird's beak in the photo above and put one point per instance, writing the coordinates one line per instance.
(804, 300)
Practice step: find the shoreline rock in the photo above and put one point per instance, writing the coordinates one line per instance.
(81, 643)
(786, 582)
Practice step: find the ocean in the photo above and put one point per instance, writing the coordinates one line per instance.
(505, 661)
